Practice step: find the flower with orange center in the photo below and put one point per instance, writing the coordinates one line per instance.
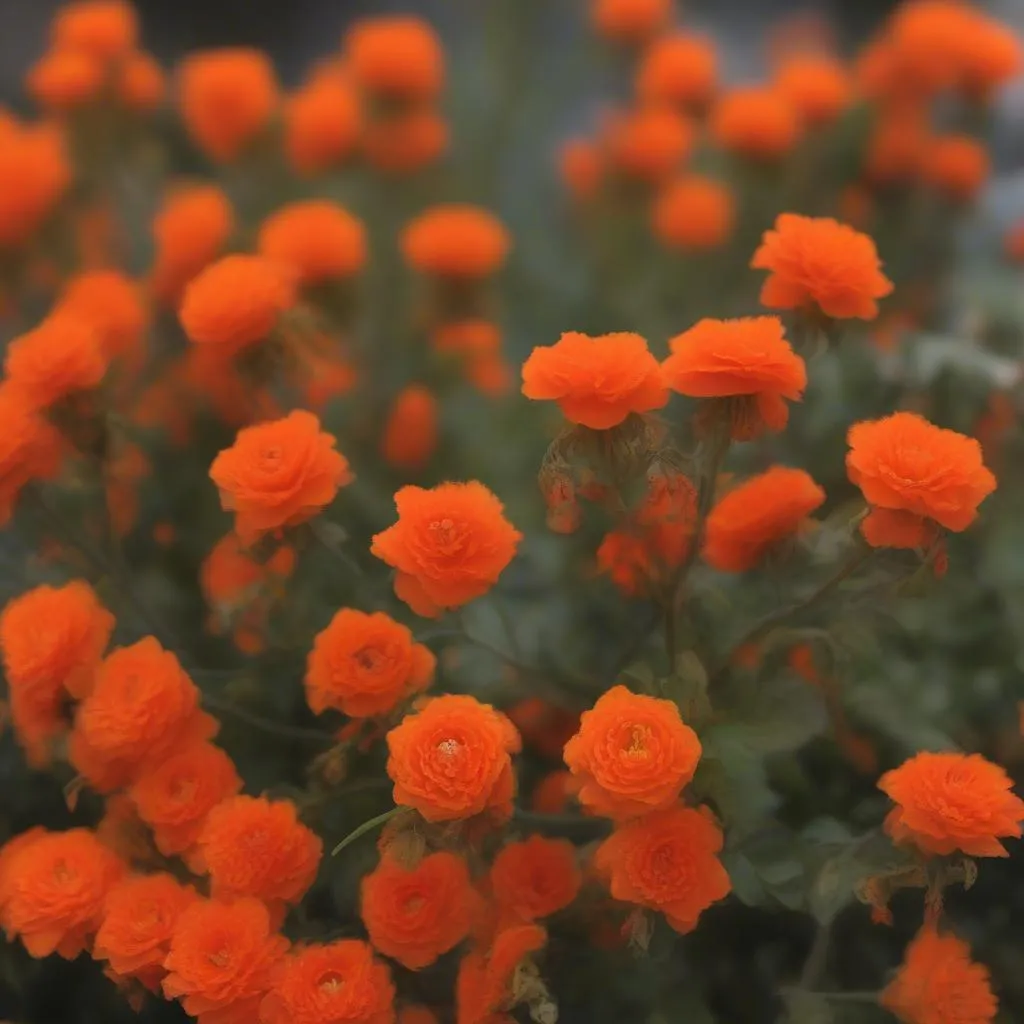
(755, 122)
(449, 546)
(365, 664)
(222, 959)
(581, 167)
(748, 363)
(451, 760)
(322, 124)
(485, 985)
(680, 70)
(414, 915)
(630, 22)
(317, 239)
(34, 175)
(141, 85)
(938, 983)
(235, 303)
(105, 29)
(174, 797)
(139, 919)
(948, 802)
(55, 890)
(61, 358)
(535, 878)
(190, 231)
(406, 143)
(337, 983)
(398, 57)
(818, 262)
(667, 861)
(410, 434)
(227, 98)
(65, 80)
(30, 448)
(915, 475)
(596, 381)
(109, 302)
(694, 213)
(632, 754)
(455, 241)
(956, 165)
(818, 87)
(251, 846)
(142, 706)
(649, 144)
(279, 474)
(757, 515)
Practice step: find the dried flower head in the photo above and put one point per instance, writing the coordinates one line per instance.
(455, 241)
(319, 240)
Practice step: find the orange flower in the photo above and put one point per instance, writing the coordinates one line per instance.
(991, 57)
(365, 664)
(449, 546)
(694, 213)
(227, 99)
(897, 145)
(141, 85)
(630, 22)
(279, 474)
(405, 143)
(597, 381)
(236, 302)
(678, 69)
(55, 889)
(581, 168)
(174, 797)
(337, 983)
(818, 87)
(478, 344)
(410, 435)
(947, 802)
(139, 919)
(818, 261)
(322, 124)
(34, 175)
(450, 760)
(544, 726)
(455, 241)
(397, 56)
(190, 231)
(64, 80)
(939, 984)
(632, 754)
(755, 122)
(223, 955)
(758, 514)
(109, 302)
(748, 362)
(956, 165)
(60, 358)
(319, 240)
(667, 861)
(416, 1015)
(231, 578)
(485, 985)
(625, 557)
(552, 794)
(141, 708)
(30, 449)
(414, 915)
(535, 878)
(649, 144)
(102, 28)
(915, 474)
(251, 846)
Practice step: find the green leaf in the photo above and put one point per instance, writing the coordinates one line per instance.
(785, 714)
(732, 777)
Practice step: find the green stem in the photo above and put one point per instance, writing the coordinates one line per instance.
(294, 732)
(367, 826)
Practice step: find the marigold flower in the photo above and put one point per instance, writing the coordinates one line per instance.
(755, 122)
(456, 241)
(223, 955)
(630, 22)
(818, 261)
(174, 796)
(102, 28)
(649, 144)
(141, 85)
(190, 231)
(139, 919)
(818, 87)
(236, 302)
(956, 165)
(109, 302)
(694, 213)
(484, 987)
(396, 56)
(410, 434)
(632, 754)
(679, 69)
(947, 802)
(227, 98)
(897, 145)
(8, 855)
(991, 57)
(581, 167)
(535, 878)
(30, 448)
(748, 361)
(667, 861)
(939, 984)
(55, 889)
(34, 175)
(405, 143)
(414, 915)
(141, 708)
(449, 546)
(322, 124)
(904, 464)
(365, 664)
(65, 80)
(279, 474)
(60, 358)
(450, 760)
(757, 515)
(320, 240)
